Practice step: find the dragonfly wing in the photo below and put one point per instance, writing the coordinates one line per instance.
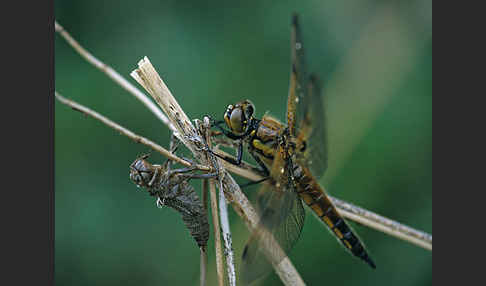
(297, 76)
(305, 110)
(281, 221)
(312, 137)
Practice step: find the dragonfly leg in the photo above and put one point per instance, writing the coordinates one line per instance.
(262, 168)
(239, 155)
(174, 143)
(156, 173)
(160, 203)
(184, 173)
(253, 183)
(201, 176)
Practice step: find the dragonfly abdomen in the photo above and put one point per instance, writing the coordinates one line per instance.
(314, 196)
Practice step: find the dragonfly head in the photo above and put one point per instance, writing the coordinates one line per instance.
(239, 116)
(141, 171)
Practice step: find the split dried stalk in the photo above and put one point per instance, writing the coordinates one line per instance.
(147, 77)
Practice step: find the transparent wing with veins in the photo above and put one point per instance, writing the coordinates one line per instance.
(305, 109)
(281, 221)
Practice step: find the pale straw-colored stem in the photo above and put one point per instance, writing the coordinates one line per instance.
(383, 224)
(228, 241)
(217, 233)
(135, 137)
(203, 264)
(205, 128)
(358, 214)
(111, 73)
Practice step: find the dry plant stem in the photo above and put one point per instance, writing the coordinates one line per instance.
(284, 269)
(228, 242)
(150, 80)
(111, 73)
(217, 234)
(360, 215)
(346, 209)
(384, 224)
(205, 128)
(214, 207)
(137, 138)
(147, 77)
(203, 262)
(204, 256)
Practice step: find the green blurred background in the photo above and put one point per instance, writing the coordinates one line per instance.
(375, 61)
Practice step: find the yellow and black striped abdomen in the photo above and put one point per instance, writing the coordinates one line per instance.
(314, 196)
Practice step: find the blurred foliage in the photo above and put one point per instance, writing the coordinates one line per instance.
(375, 61)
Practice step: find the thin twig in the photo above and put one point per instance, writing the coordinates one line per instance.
(347, 210)
(217, 234)
(204, 256)
(135, 137)
(223, 213)
(214, 208)
(114, 75)
(228, 242)
(284, 269)
(358, 214)
(383, 224)
(203, 262)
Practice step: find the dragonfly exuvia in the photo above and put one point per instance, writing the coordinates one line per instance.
(171, 188)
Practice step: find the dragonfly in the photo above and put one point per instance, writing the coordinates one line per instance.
(171, 187)
(291, 157)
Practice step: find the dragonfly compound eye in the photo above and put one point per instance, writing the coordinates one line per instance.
(237, 120)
